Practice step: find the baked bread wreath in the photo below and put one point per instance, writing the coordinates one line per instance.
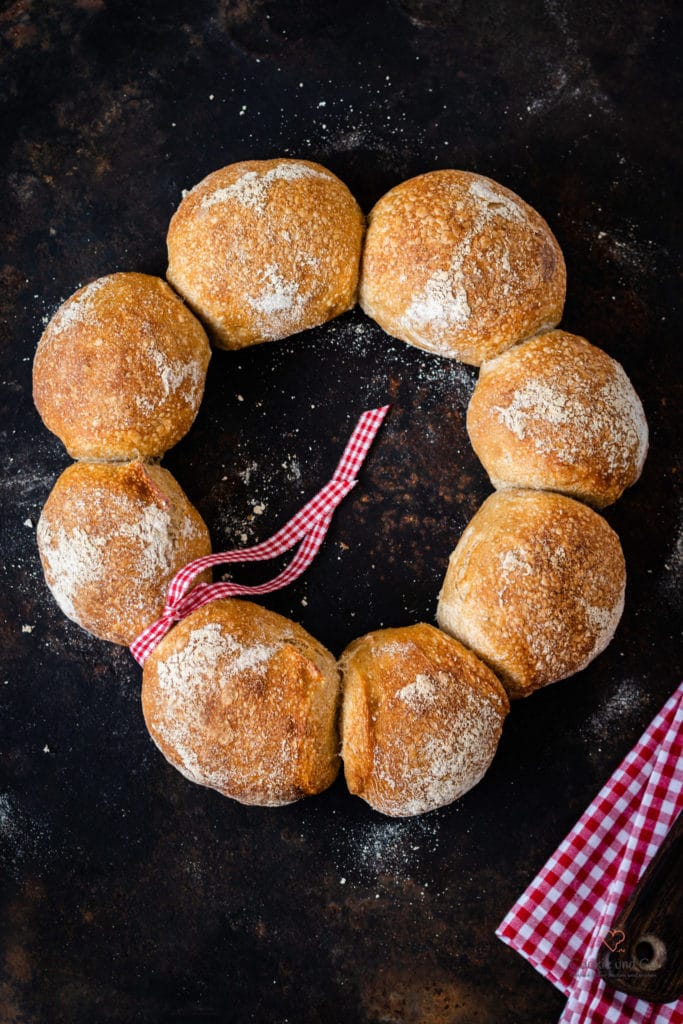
(243, 700)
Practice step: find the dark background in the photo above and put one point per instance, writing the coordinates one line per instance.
(128, 894)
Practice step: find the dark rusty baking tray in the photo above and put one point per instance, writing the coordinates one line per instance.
(128, 894)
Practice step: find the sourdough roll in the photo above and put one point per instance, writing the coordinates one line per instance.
(119, 371)
(244, 701)
(535, 587)
(559, 414)
(111, 537)
(265, 248)
(421, 719)
(457, 264)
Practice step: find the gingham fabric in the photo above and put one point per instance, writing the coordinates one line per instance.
(565, 915)
(309, 526)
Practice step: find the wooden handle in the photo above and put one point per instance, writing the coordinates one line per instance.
(642, 954)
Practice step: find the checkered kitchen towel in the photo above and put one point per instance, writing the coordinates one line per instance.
(561, 921)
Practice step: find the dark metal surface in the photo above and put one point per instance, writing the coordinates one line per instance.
(130, 896)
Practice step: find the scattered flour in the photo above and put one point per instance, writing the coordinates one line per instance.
(629, 699)
(78, 309)
(210, 653)
(387, 848)
(251, 189)
(443, 304)
(176, 375)
(419, 694)
(8, 817)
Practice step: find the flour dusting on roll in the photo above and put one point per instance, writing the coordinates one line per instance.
(457, 264)
(111, 537)
(557, 413)
(266, 248)
(421, 719)
(535, 587)
(244, 701)
(119, 371)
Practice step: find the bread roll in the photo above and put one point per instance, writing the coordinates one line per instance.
(535, 587)
(119, 371)
(559, 414)
(457, 264)
(266, 248)
(111, 537)
(244, 701)
(421, 719)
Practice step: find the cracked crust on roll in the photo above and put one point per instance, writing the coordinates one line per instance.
(459, 265)
(244, 701)
(119, 371)
(421, 719)
(266, 248)
(558, 414)
(111, 537)
(535, 587)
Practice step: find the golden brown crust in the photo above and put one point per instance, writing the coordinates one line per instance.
(265, 248)
(457, 264)
(559, 414)
(421, 719)
(535, 587)
(119, 371)
(111, 537)
(244, 701)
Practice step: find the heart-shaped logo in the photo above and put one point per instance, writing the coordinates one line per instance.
(614, 940)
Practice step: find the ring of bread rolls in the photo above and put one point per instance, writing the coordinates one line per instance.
(240, 699)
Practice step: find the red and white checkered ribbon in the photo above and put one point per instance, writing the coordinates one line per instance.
(561, 921)
(309, 526)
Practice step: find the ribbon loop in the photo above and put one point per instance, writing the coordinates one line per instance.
(308, 526)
